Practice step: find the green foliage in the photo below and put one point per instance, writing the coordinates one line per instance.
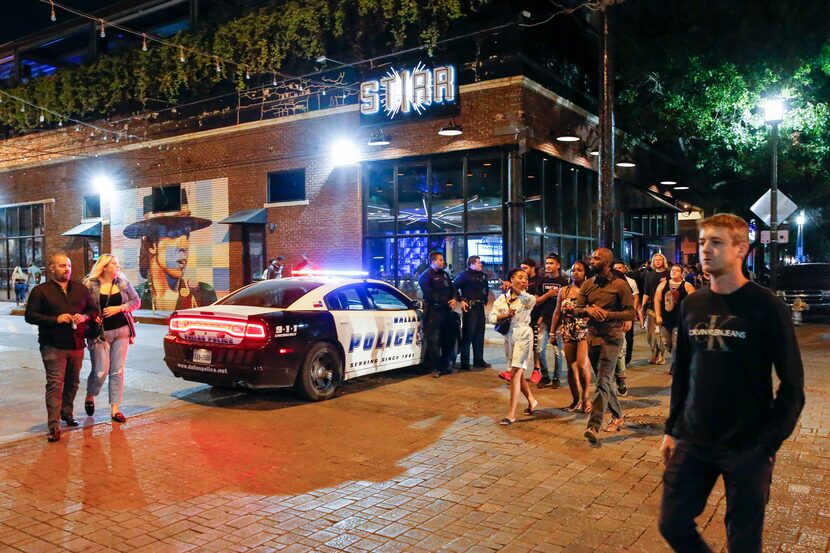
(692, 76)
(283, 37)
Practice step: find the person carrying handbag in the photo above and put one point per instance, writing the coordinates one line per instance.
(111, 337)
(515, 305)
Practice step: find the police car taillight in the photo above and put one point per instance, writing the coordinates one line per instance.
(179, 324)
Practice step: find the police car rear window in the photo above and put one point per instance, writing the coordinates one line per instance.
(270, 293)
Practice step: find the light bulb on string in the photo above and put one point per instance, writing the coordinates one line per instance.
(52, 15)
(103, 32)
(143, 42)
(247, 74)
(218, 67)
(275, 80)
(42, 117)
(22, 108)
(181, 54)
(60, 123)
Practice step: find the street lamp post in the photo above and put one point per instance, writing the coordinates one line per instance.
(773, 115)
(799, 241)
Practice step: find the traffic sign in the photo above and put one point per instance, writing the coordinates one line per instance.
(761, 208)
(783, 237)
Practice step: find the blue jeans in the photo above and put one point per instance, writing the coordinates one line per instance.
(558, 352)
(108, 357)
(19, 292)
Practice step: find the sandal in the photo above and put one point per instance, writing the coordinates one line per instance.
(506, 422)
(531, 410)
(573, 407)
(119, 417)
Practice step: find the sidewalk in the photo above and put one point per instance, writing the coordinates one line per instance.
(396, 462)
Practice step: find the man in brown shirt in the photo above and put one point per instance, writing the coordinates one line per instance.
(607, 301)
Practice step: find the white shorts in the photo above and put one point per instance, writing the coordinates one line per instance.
(518, 349)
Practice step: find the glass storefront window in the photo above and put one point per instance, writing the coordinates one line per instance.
(379, 258)
(453, 249)
(533, 192)
(484, 193)
(37, 219)
(412, 197)
(569, 201)
(552, 201)
(26, 220)
(12, 222)
(447, 190)
(380, 209)
(585, 187)
(490, 248)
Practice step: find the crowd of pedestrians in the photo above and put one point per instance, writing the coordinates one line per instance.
(710, 319)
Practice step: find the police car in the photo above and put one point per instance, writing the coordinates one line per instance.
(310, 332)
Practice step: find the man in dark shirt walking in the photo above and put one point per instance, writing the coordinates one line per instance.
(723, 418)
(607, 301)
(60, 308)
(472, 289)
(440, 326)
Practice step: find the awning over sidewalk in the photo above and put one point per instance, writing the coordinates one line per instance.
(247, 216)
(85, 229)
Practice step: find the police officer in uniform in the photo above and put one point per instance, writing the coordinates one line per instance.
(440, 321)
(472, 290)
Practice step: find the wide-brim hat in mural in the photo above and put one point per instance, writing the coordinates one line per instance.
(165, 224)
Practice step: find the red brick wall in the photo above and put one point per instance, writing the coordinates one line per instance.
(329, 228)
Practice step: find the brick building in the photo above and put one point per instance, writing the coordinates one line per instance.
(271, 180)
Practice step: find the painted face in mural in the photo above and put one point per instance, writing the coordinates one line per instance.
(170, 255)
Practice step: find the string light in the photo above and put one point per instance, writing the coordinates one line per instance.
(22, 108)
(247, 74)
(181, 54)
(218, 67)
(42, 117)
(103, 32)
(52, 15)
(144, 42)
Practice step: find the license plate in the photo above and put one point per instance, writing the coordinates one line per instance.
(203, 356)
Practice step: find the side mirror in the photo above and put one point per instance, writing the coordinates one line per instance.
(417, 305)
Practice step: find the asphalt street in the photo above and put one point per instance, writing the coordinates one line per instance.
(395, 462)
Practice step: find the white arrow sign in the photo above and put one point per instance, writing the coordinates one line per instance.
(761, 208)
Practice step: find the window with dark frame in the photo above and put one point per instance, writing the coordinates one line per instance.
(167, 198)
(92, 206)
(286, 186)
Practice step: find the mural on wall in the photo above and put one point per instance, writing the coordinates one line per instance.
(176, 259)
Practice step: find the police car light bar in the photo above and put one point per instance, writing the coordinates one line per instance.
(312, 272)
(238, 329)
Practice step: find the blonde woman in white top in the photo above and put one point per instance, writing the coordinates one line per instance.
(516, 304)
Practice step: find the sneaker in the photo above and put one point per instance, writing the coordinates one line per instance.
(661, 360)
(505, 375)
(545, 382)
(482, 365)
(592, 434)
(615, 425)
(555, 383)
(622, 389)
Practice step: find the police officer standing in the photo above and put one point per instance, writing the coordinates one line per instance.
(440, 322)
(472, 289)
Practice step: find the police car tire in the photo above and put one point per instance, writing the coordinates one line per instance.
(305, 385)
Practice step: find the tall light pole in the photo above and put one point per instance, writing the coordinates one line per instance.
(799, 242)
(773, 115)
(605, 198)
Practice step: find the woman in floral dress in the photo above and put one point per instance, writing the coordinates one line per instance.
(574, 333)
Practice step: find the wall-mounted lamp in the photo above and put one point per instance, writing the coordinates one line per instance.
(378, 138)
(668, 182)
(451, 130)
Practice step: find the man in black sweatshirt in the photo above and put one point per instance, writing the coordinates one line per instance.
(724, 418)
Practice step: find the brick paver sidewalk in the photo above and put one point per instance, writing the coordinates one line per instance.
(396, 463)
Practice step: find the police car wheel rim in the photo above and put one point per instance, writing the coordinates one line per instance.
(322, 372)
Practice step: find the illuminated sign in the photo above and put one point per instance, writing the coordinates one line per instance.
(399, 94)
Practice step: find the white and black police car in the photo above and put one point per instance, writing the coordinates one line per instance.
(309, 332)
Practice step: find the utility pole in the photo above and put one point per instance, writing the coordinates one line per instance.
(773, 210)
(606, 128)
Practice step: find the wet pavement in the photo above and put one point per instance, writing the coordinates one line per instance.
(396, 462)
